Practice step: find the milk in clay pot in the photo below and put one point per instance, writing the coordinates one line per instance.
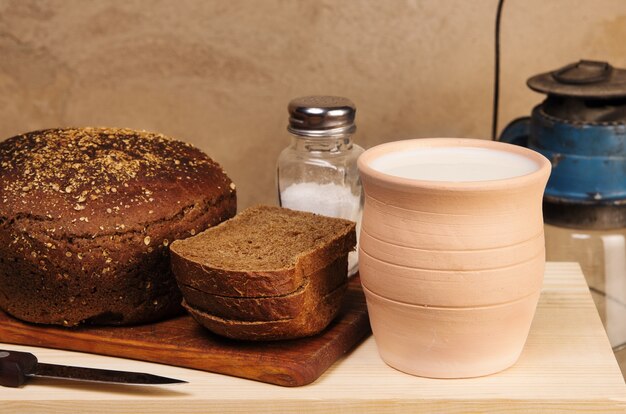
(317, 172)
(451, 252)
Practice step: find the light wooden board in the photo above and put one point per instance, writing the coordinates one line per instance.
(567, 366)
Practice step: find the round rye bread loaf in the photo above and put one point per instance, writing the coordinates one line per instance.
(86, 218)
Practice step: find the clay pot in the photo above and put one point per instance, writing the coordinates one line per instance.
(452, 288)
(450, 342)
(452, 269)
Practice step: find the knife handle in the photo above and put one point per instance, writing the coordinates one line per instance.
(15, 367)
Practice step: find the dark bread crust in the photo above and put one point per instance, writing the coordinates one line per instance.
(86, 217)
(272, 308)
(312, 320)
(191, 269)
(192, 272)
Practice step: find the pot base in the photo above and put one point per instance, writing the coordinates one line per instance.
(450, 342)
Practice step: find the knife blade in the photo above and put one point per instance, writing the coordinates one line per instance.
(17, 367)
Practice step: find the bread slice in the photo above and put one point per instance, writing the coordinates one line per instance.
(269, 273)
(310, 321)
(272, 308)
(263, 251)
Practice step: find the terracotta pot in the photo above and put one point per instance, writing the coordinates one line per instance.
(451, 288)
(450, 342)
(451, 250)
(469, 259)
(406, 227)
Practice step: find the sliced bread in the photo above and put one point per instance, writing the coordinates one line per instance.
(310, 321)
(269, 273)
(271, 308)
(263, 251)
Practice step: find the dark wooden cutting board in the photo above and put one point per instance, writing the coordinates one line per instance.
(182, 342)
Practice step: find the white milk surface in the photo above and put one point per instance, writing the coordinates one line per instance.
(458, 164)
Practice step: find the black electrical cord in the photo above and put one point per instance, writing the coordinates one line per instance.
(496, 74)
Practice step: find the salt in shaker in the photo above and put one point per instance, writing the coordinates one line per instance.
(317, 172)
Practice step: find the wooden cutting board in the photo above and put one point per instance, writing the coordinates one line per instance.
(182, 342)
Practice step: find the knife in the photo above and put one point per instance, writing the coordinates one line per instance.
(17, 367)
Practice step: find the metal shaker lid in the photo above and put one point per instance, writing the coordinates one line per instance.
(318, 116)
(584, 79)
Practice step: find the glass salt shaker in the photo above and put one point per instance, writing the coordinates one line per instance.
(317, 172)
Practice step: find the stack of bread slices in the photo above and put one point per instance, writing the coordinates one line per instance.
(269, 273)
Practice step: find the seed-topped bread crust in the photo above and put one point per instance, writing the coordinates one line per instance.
(86, 217)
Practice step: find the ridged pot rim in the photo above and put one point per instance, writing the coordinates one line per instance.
(366, 171)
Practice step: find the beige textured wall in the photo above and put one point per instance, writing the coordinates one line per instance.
(219, 73)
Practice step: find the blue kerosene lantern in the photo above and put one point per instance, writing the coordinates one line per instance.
(581, 128)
